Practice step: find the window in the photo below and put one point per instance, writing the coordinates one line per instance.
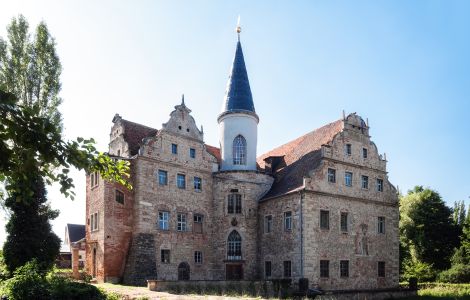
(239, 150)
(267, 269)
(344, 268)
(162, 177)
(348, 178)
(94, 179)
(380, 185)
(182, 223)
(380, 224)
(344, 222)
(324, 268)
(198, 257)
(332, 175)
(163, 220)
(364, 153)
(119, 196)
(348, 149)
(268, 223)
(234, 246)
(287, 268)
(181, 181)
(165, 256)
(234, 204)
(324, 219)
(94, 221)
(197, 184)
(365, 182)
(197, 225)
(288, 221)
(381, 269)
(174, 148)
(192, 152)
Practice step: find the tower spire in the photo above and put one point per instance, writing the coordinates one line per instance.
(238, 29)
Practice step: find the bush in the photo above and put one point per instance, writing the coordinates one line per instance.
(458, 273)
(422, 271)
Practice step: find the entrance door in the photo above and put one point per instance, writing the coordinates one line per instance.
(183, 271)
(233, 272)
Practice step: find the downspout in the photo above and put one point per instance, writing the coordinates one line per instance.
(301, 234)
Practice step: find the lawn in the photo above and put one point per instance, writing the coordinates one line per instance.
(442, 291)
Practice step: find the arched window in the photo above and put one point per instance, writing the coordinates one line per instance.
(183, 271)
(239, 150)
(234, 246)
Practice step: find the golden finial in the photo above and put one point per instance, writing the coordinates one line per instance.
(238, 29)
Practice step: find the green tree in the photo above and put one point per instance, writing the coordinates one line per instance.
(426, 228)
(459, 213)
(30, 68)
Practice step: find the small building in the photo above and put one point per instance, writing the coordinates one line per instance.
(74, 233)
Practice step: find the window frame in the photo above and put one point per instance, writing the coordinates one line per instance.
(120, 194)
(165, 256)
(365, 153)
(181, 222)
(197, 183)
(287, 268)
(95, 222)
(345, 228)
(365, 182)
(234, 203)
(192, 153)
(94, 179)
(162, 177)
(379, 184)
(344, 268)
(180, 176)
(348, 149)
(198, 219)
(268, 223)
(346, 175)
(288, 221)
(234, 247)
(174, 148)
(381, 269)
(324, 268)
(163, 221)
(198, 257)
(324, 213)
(239, 150)
(381, 224)
(331, 175)
(266, 268)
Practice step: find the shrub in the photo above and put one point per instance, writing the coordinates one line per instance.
(422, 271)
(458, 273)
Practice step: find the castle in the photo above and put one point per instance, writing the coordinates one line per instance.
(319, 207)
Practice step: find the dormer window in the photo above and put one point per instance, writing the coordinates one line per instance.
(239, 150)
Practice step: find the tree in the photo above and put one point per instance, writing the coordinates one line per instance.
(426, 227)
(459, 213)
(30, 69)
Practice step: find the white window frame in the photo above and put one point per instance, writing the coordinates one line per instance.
(182, 222)
(164, 220)
(288, 221)
(348, 175)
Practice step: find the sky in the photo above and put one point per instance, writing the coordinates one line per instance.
(403, 65)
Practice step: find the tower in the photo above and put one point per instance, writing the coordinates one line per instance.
(238, 121)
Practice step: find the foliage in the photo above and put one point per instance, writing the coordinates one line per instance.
(422, 271)
(29, 231)
(458, 273)
(427, 231)
(30, 69)
(445, 290)
(29, 282)
(459, 213)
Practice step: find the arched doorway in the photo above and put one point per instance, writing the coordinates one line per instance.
(183, 271)
(234, 267)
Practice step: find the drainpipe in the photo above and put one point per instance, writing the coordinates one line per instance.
(301, 235)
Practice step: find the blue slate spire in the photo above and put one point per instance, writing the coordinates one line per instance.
(238, 94)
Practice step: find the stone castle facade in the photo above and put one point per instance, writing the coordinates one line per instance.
(319, 207)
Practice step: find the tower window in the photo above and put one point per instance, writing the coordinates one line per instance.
(234, 205)
(239, 150)
(192, 152)
(234, 249)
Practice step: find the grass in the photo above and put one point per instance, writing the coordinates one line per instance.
(442, 291)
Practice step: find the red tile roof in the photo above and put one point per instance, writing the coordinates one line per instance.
(298, 157)
(214, 151)
(134, 133)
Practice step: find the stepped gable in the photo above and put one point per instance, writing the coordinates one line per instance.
(134, 133)
(293, 161)
(214, 151)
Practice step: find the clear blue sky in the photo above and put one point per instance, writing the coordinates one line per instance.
(404, 65)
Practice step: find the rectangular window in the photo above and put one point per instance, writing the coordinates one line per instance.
(119, 196)
(332, 175)
(344, 268)
(324, 268)
(198, 257)
(174, 148)
(94, 179)
(268, 223)
(197, 224)
(267, 269)
(348, 178)
(234, 205)
(364, 153)
(182, 223)
(197, 184)
(365, 182)
(348, 149)
(181, 181)
(94, 221)
(324, 219)
(287, 269)
(344, 222)
(288, 221)
(163, 220)
(380, 224)
(380, 185)
(165, 256)
(381, 269)
(162, 177)
(192, 152)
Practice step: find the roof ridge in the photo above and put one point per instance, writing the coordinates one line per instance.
(138, 124)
